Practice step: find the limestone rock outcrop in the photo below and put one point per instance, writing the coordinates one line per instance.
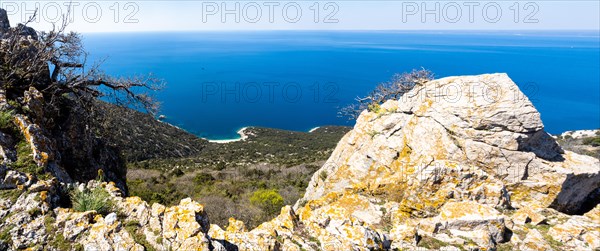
(474, 140)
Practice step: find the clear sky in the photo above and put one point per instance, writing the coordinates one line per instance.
(115, 16)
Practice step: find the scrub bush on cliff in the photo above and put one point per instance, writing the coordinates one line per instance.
(55, 63)
(393, 89)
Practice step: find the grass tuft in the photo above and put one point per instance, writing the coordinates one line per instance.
(95, 199)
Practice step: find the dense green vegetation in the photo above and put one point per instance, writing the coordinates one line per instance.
(249, 180)
(140, 136)
(6, 120)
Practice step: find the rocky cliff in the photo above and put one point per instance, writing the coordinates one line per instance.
(457, 163)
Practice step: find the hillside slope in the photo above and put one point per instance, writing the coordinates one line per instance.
(140, 136)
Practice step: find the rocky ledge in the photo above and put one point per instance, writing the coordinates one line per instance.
(458, 163)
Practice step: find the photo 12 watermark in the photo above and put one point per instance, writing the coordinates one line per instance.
(72, 11)
(269, 92)
(271, 12)
(470, 11)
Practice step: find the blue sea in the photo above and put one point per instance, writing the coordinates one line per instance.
(219, 82)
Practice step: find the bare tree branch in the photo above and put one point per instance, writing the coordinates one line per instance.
(393, 89)
(55, 63)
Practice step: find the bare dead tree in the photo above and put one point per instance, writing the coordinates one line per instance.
(393, 89)
(54, 62)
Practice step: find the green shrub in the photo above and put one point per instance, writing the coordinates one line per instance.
(5, 237)
(11, 194)
(203, 179)
(60, 242)
(593, 141)
(268, 199)
(95, 199)
(6, 120)
(25, 162)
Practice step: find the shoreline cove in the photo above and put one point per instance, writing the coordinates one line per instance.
(244, 136)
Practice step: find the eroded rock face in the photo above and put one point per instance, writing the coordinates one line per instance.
(476, 126)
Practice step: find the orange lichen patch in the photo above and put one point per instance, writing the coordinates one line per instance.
(44, 158)
(451, 164)
(390, 191)
(463, 209)
(112, 188)
(541, 194)
(304, 212)
(403, 163)
(346, 206)
(440, 150)
(284, 224)
(236, 226)
(325, 200)
(342, 173)
(591, 238)
(43, 195)
(134, 200)
(424, 106)
(594, 214)
(359, 187)
(81, 224)
(565, 232)
(286, 218)
(22, 124)
(38, 144)
(98, 217)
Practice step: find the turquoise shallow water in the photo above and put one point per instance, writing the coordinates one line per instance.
(219, 82)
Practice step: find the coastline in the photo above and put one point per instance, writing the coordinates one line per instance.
(243, 136)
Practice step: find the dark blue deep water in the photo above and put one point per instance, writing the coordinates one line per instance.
(219, 82)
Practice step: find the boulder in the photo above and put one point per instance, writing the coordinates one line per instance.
(453, 135)
(456, 144)
(528, 215)
(534, 241)
(12, 179)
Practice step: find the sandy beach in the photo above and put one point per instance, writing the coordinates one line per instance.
(312, 130)
(243, 136)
